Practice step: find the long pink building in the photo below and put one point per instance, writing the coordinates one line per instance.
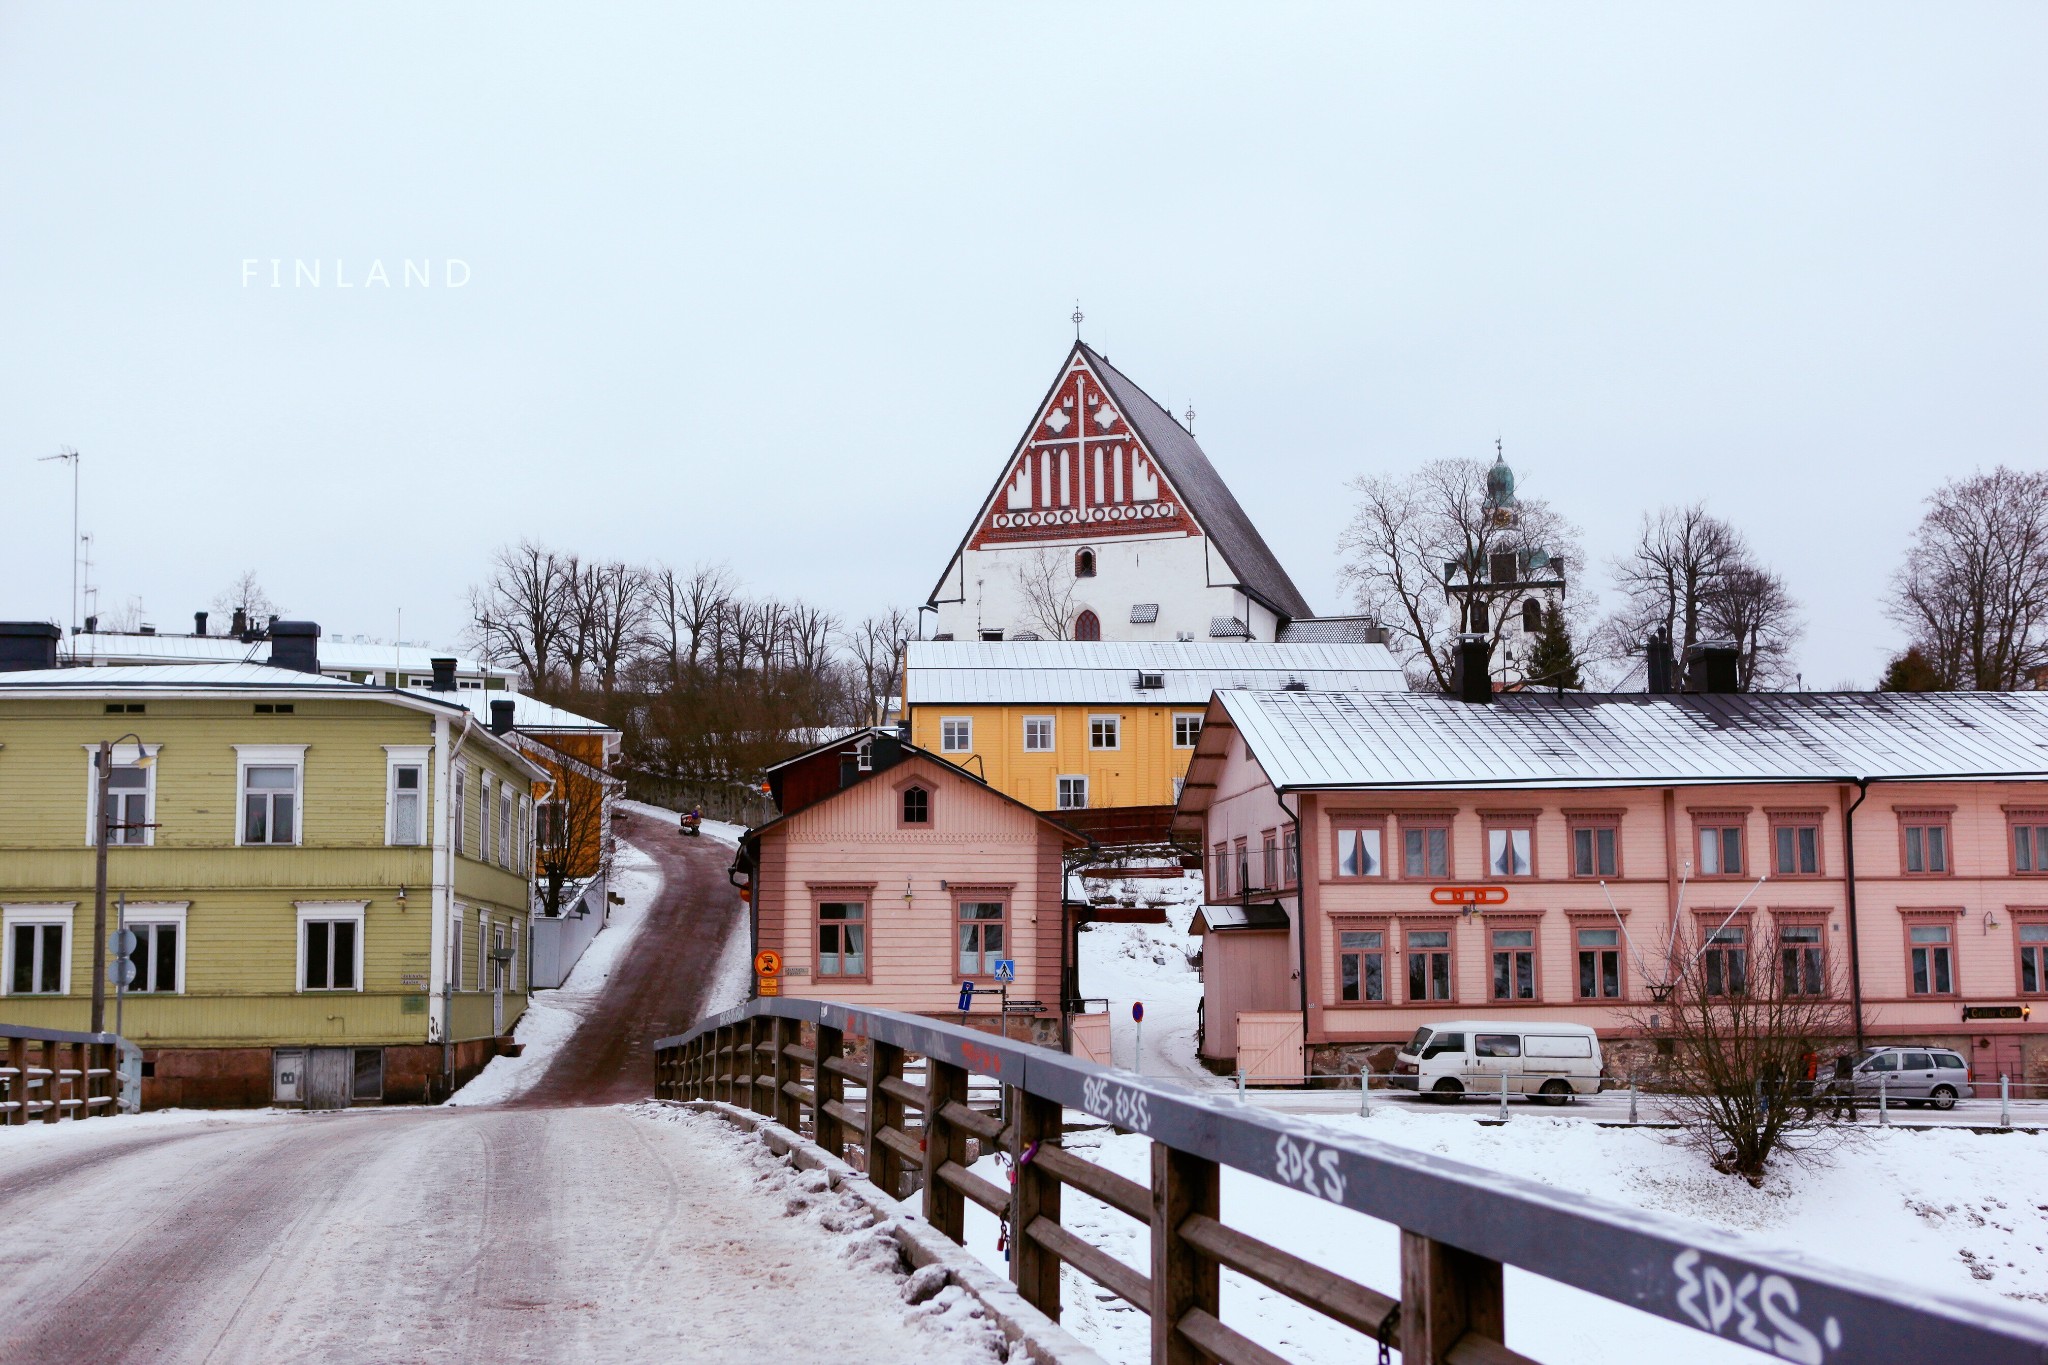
(1892, 848)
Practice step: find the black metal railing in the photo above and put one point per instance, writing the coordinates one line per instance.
(1459, 1225)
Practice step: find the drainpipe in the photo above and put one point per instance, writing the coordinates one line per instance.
(1849, 888)
(444, 882)
(1300, 912)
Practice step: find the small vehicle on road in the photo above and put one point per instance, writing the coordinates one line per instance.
(1913, 1076)
(1550, 1062)
(693, 823)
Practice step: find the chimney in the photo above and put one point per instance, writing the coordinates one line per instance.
(240, 628)
(444, 675)
(295, 645)
(1657, 658)
(501, 714)
(92, 625)
(1713, 666)
(28, 645)
(199, 623)
(1472, 669)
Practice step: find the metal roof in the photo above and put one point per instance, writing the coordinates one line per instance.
(1327, 630)
(1529, 739)
(959, 672)
(172, 677)
(336, 651)
(528, 713)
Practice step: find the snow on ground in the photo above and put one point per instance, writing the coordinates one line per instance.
(1152, 963)
(31, 1136)
(1960, 1213)
(553, 1016)
(722, 830)
(846, 1230)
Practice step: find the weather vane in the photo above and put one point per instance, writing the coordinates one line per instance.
(1191, 419)
(1078, 315)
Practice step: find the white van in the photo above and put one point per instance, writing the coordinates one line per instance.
(1551, 1062)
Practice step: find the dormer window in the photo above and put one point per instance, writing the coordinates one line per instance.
(1084, 564)
(917, 806)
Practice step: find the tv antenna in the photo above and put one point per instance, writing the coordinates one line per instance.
(70, 457)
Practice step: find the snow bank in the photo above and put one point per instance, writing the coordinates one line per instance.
(847, 1231)
(1152, 963)
(26, 1137)
(552, 1017)
(1960, 1213)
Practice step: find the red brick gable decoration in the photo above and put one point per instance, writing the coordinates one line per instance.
(1082, 473)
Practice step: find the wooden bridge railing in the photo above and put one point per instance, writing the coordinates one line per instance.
(1459, 1225)
(48, 1074)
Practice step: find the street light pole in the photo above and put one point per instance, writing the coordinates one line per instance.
(105, 765)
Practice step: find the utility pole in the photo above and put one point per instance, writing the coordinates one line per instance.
(70, 456)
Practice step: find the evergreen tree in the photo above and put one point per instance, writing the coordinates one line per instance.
(1912, 671)
(1554, 663)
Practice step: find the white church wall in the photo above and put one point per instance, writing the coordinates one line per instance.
(1173, 572)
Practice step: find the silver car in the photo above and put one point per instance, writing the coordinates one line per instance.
(1914, 1075)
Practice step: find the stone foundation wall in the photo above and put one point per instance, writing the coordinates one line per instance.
(240, 1077)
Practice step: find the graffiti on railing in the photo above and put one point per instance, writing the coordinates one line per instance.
(984, 1060)
(1122, 1105)
(1309, 1167)
(1711, 1300)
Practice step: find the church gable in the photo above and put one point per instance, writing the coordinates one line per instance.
(1081, 472)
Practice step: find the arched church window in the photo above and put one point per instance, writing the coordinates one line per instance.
(1084, 564)
(1532, 616)
(1087, 626)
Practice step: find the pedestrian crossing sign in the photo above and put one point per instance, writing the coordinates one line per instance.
(1006, 969)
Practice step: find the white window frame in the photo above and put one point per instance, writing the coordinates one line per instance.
(486, 817)
(161, 912)
(1115, 722)
(483, 946)
(946, 744)
(1051, 725)
(506, 805)
(1059, 792)
(291, 756)
(125, 756)
(460, 815)
(457, 915)
(309, 911)
(398, 756)
(46, 912)
(1178, 718)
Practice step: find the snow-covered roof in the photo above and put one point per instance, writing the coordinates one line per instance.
(336, 651)
(959, 672)
(1259, 915)
(1529, 739)
(528, 713)
(171, 677)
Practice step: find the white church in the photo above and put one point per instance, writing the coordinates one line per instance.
(1109, 523)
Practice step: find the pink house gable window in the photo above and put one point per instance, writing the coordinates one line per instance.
(917, 806)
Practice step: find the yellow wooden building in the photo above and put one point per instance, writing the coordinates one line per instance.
(1101, 731)
(328, 881)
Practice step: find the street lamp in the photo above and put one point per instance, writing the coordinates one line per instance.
(104, 765)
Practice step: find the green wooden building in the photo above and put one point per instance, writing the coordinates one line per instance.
(328, 882)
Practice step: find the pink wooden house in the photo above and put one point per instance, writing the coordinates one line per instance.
(893, 876)
(1891, 848)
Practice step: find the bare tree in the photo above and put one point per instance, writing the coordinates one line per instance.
(1414, 538)
(682, 611)
(1973, 592)
(1752, 607)
(521, 613)
(1693, 575)
(247, 595)
(1046, 582)
(876, 645)
(609, 603)
(572, 829)
(1742, 1027)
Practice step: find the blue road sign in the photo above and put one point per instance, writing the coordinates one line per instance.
(1137, 1011)
(1006, 969)
(966, 996)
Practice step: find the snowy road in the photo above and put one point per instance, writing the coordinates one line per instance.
(429, 1235)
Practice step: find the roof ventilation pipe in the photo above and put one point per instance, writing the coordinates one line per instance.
(1472, 669)
(501, 716)
(26, 645)
(199, 623)
(444, 677)
(295, 645)
(1713, 666)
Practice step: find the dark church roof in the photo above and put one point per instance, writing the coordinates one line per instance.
(1207, 497)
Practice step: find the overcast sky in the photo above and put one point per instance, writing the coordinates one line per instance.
(780, 287)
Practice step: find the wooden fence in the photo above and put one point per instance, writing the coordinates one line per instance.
(48, 1075)
(1459, 1225)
